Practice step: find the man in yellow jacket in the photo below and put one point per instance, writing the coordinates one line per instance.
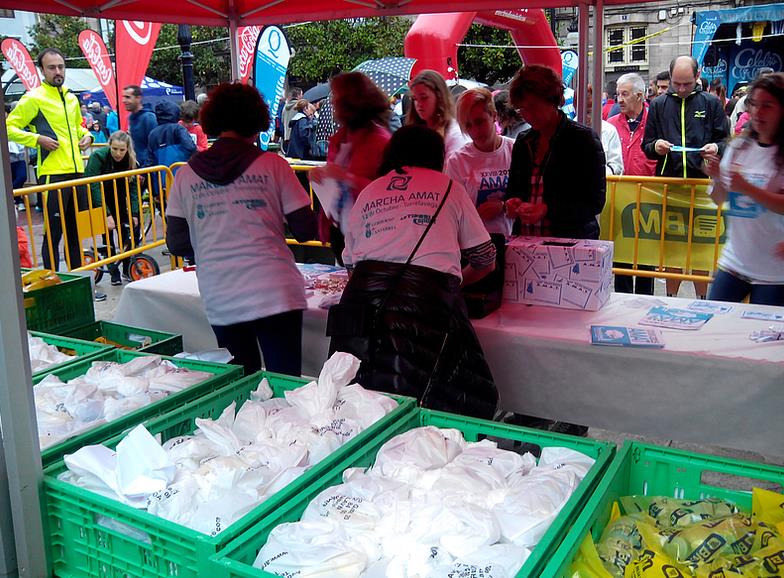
(53, 120)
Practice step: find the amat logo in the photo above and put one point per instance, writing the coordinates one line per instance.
(675, 223)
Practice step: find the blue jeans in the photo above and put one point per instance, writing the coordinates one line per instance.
(280, 339)
(728, 287)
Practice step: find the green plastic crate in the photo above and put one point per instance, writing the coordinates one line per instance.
(643, 469)
(84, 350)
(237, 559)
(58, 308)
(90, 535)
(137, 338)
(223, 375)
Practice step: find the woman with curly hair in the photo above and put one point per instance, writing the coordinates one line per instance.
(355, 150)
(228, 207)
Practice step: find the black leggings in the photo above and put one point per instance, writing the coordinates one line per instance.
(280, 338)
(74, 246)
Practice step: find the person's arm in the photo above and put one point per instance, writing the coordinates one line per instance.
(594, 175)
(303, 224)
(185, 140)
(134, 196)
(720, 127)
(481, 262)
(178, 238)
(613, 152)
(651, 132)
(19, 118)
(770, 197)
(93, 169)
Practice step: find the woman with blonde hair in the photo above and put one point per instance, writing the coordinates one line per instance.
(356, 149)
(433, 108)
(120, 194)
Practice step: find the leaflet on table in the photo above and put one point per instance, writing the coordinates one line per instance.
(626, 336)
(566, 273)
(680, 149)
(762, 316)
(675, 318)
(710, 307)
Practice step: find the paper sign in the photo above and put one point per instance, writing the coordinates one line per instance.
(542, 291)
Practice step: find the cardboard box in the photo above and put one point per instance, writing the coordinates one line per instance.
(567, 273)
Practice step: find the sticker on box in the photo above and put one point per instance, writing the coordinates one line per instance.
(575, 294)
(541, 265)
(560, 257)
(511, 290)
(542, 292)
(522, 261)
(587, 271)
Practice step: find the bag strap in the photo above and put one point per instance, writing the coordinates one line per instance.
(402, 271)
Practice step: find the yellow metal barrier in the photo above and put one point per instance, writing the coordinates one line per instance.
(92, 221)
(671, 225)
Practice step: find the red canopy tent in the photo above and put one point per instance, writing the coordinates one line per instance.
(22, 543)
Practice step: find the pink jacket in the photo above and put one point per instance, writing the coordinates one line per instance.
(634, 160)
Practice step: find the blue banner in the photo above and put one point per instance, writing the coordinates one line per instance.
(707, 22)
(568, 66)
(269, 73)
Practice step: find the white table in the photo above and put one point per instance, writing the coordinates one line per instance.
(712, 386)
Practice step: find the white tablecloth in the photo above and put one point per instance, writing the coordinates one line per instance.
(711, 386)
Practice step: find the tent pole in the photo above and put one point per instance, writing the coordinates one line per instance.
(233, 40)
(598, 66)
(20, 462)
(582, 63)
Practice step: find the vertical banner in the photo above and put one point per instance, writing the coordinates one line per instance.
(19, 58)
(247, 37)
(269, 73)
(134, 43)
(94, 50)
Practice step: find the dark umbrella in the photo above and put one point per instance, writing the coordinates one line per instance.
(318, 92)
(389, 74)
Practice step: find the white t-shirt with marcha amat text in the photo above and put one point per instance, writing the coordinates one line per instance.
(244, 267)
(392, 212)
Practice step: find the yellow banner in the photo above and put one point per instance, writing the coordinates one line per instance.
(685, 222)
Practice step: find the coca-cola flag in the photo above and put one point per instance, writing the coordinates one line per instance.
(94, 50)
(247, 36)
(135, 41)
(17, 56)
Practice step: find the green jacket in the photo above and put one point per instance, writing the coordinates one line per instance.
(52, 112)
(102, 163)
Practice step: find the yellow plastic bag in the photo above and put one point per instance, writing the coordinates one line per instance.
(587, 563)
(768, 507)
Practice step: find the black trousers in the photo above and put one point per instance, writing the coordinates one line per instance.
(280, 338)
(63, 222)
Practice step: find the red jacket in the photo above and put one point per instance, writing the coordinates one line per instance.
(634, 160)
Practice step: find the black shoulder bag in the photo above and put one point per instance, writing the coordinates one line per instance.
(361, 319)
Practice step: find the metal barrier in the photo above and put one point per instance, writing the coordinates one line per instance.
(91, 221)
(684, 215)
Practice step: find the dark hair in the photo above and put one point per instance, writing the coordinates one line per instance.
(361, 100)
(189, 110)
(506, 112)
(773, 84)
(295, 92)
(538, 80)
(237, 107)
(44, 52)
(445, 106)
(663, 75)
(414, 145)
(134, 88)
(695, 66)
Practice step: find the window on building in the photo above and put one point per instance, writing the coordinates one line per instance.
(630, 53)
(6, 13)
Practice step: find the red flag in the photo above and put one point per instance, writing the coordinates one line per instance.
(94, 50)
(135, 41)
(17, 56)
(247, 36)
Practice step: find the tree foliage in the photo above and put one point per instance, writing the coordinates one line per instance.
(61, 32)
(488, 65)
(211, 56)
(323, 49)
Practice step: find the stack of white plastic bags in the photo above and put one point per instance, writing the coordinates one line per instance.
(208, 480)
(107, 391)
(432, 505)
(43, 355)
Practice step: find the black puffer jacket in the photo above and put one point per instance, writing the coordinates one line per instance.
(574, 178)
(423, 323)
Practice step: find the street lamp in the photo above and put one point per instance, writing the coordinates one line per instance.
(184, 39)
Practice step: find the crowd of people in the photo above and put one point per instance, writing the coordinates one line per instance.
(422, 213)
